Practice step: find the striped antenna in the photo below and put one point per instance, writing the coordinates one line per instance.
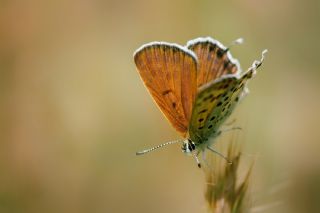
(157, 147)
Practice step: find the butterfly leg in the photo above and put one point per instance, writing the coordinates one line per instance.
(195, 155)
(218, 153)
(204, 159)
(230, 129)
(229, 123)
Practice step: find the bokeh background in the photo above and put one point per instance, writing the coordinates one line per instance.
(74, 110)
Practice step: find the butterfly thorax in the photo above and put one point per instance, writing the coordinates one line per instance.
(197, 143)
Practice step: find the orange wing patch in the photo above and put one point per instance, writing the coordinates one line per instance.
(214, 60)
(169, 71)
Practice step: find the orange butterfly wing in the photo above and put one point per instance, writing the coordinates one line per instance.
(214, 60)
(169, 71)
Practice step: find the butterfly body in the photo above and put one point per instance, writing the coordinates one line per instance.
(196, 86)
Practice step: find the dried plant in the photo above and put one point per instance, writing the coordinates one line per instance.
(226, 192)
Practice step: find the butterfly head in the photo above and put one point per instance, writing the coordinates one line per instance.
(188, 146)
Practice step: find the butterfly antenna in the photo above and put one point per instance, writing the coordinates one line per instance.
(197, 159)
(221, 155)
(157, 147)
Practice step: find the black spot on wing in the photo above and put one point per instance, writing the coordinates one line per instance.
(225, 86)
(220, 53)
(226, 64)
(224, 94)
(212, 48)
(203, 111)
(208, 97)
(234, 89)
(212, 99)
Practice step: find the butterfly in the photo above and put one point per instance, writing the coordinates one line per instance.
(196, 87)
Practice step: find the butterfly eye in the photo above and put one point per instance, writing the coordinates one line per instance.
(188, 146)
(184, 147)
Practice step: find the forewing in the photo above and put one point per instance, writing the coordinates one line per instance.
(216, 101)
(214, 60)
(169, 72)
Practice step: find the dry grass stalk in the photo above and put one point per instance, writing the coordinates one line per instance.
(226, 192)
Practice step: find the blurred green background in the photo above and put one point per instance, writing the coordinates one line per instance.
(74, 110)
